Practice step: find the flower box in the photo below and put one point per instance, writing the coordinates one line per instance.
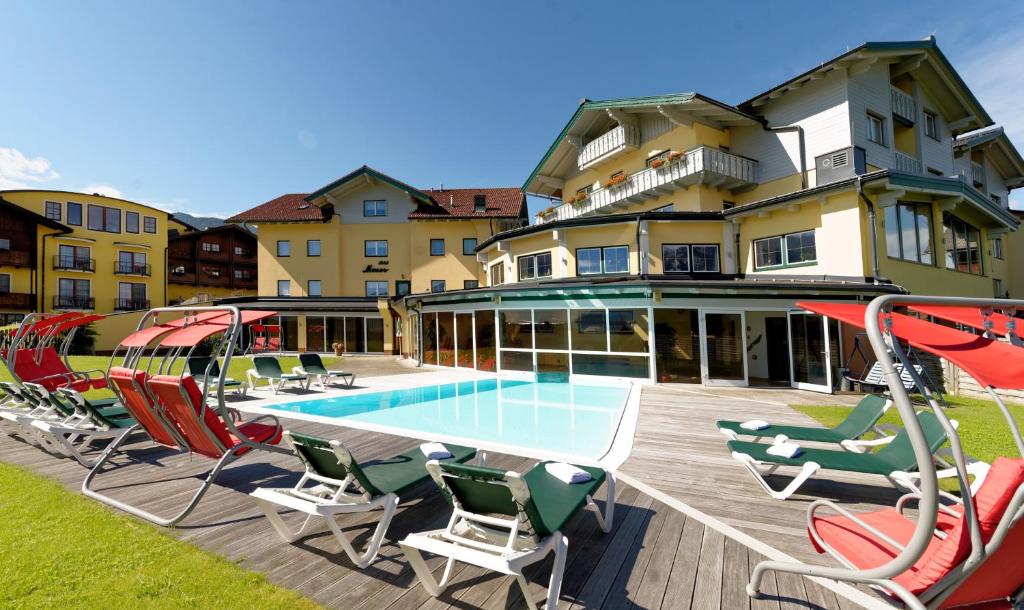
(615, 180)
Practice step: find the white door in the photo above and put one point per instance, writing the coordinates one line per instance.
(810, 356)
(723, 348)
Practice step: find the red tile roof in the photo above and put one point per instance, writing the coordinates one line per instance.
(460, 203)
(286, 208)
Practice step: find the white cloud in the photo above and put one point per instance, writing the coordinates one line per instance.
(18, 171)
(103, 189)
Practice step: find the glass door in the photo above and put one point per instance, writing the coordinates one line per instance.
(464, 341)
(810, 351)
(724, 357)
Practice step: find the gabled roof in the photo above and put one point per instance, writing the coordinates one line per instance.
(1000, 151)
(591, 115)
(31, 216)
(369, 172)
(286, 208)
(915, 52)
(461, 203)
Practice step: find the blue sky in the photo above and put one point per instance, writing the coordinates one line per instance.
(213, 107)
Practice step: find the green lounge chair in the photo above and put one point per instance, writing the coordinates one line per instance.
(268, 368)
(81, 422)
(334, 483)
(505, 521)
(895, 461)
(861, 420)
(313, 366)
(197, 366)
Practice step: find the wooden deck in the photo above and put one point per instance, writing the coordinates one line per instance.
(655, 556)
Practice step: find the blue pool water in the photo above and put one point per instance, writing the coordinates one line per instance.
(562, 417)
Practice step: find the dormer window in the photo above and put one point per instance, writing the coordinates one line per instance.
(479, 203)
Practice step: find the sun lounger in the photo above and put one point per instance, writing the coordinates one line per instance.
(91, 421)
(505, 521)
(199, 366)
(312, 366)
(861, 420)
(334, 483)
(268, 368)
(895, 461)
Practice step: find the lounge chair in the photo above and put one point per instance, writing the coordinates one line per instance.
(268, 368)
(895, 461)
(335, 483)
(92, 421)
(876, 380)
(197, 367)
(861, 420)
(312, 366)
(505, 521)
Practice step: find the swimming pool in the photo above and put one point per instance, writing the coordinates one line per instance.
(547, 419)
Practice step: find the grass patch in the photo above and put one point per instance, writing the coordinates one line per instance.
(62, 550)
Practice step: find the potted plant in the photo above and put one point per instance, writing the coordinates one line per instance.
(656, 163)
(338, 347)
(615, 180)
(674, 156)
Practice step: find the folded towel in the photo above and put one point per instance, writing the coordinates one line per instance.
(567, 473)
(435, 451)
(784, 450)
(754, 424)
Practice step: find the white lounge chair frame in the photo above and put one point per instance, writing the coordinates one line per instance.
(252, 376)
(323, 379)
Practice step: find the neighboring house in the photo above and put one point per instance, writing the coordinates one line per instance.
(211, 264)
(21, 235)
(683, 230)
(331, 259)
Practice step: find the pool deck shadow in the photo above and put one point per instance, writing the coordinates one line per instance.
(656, 556)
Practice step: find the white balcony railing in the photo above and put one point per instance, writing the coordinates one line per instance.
(978, 174)
(903, 105)
(703, 165)
(611, 144)
(907, 164)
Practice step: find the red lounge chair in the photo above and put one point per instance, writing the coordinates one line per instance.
(46, 368)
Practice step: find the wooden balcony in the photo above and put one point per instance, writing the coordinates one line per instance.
(700, 166)
(612, 144)
(17, 300)
(15, 258)
(903, 106)
(210, 279)
(906, 163)
(245, 283)
(210, 255)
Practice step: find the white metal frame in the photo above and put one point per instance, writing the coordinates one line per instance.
(802, 385)
(705, 361)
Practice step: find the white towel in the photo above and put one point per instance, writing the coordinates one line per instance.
(567, 473)
(435, 451)
(785, 450)
(754, 424)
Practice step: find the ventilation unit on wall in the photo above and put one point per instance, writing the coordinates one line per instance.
(839, 165)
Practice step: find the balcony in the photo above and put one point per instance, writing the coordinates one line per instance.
(903, 106)
(211, 255)
(245, 256)
(609, 145)
(707, 166)
(74, 263)
(15, 258)
(247, 283)
(17, 300)
(977, 175)
(130, 304)
(72, 301)
(214, 279)
(906, 163)
(123, 268)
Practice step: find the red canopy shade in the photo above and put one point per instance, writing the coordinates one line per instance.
(992, 363)
(142, 338)
(79, 321)
(50, 321)
(215, 320)
(193, 334)
(968, 316)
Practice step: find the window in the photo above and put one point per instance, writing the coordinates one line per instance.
(375, 247)
(437, 247)
(785, 250)
(962, 243)
(705, 258)
(663, 156)
(131, 222)
(53, 210)
(908, 232)
(284, 288)
(497, 274)
(996, 199)
(5, 244)
(131, 295)
(470, 284)
(376, 288)
(997, 248)
(534, 266)
(610, 259)
(312, 247)
(209, 246)
(402, 288)
(997, 289)
(74, 293)
(374, 208)
(876, 129)
(74, 257)
(468, 246)
(313, 288)
(132, 262)
(5, 283)
(149, 224)
(479, 203)
(74, 214)
(437, 286)
(931, 125)
(675, 258)
(284, 248)
(102, 218)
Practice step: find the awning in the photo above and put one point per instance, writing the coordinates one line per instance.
(991, 362)
(192, 335)
(215, 321)
(142, 338)
(79, 321)
(49, 321)
(968, 316)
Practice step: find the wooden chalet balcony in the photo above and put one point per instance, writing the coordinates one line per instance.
(702, 165)
(903, 106)
(906, 163)
(181, 274)
(210, 255)
(212, 279)
(17, 300)
(612, 144)
(15, 258)
(248, 283)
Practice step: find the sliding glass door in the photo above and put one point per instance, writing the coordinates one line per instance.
(725, 361)
(815, 345)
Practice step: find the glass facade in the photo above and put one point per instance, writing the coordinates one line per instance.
(677, 345)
